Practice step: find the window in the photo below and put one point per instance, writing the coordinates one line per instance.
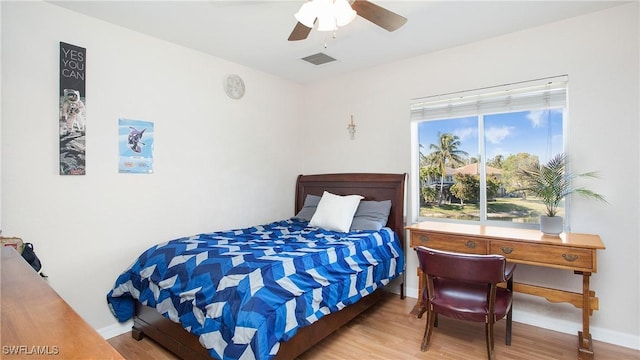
(469, 147)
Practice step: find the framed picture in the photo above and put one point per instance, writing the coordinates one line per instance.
(135, 139)
(72, 113)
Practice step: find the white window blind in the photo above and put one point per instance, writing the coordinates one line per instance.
(541, 93)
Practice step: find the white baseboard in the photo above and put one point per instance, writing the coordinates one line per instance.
(570, 327)
(532, 316)
(110, 331)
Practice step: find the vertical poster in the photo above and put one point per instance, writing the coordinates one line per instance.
(135, 143)
(72, 114)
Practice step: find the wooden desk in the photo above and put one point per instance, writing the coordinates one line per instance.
(37, 323)
(570, 251)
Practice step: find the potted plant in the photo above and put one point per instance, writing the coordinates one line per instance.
(551, 182)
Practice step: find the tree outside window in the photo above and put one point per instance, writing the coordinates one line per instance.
(469, 165)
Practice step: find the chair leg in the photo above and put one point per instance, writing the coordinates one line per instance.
(428, 330)
(508, 332)
(489, 335)
(509, 314)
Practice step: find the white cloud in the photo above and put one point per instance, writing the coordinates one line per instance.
(496, 135)
(540, 118)
(537, 118)
(465, 133)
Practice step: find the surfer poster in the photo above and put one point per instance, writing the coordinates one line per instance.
(72, 113)
(135, 146)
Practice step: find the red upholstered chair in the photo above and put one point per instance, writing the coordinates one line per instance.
(464, 287)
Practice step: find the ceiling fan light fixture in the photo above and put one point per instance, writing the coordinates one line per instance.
(330, 14)
(344, 13)
(327, 24)
(325, 12)
(307, 14)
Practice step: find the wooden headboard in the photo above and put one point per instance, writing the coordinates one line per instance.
(372, 186)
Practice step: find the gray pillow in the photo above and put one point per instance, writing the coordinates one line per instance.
(371, 215)
(309, 207)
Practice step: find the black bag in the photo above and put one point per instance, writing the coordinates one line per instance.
(30, 256)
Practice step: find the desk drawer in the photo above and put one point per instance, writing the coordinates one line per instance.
(556, 256)
(468, 245)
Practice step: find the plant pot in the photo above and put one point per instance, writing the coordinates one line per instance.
(551, 225)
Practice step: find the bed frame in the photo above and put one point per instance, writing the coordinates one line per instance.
(148, 322)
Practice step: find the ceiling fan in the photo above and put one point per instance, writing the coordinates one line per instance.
(333, 13)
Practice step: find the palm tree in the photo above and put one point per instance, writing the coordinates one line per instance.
(496, 162)
(552, 182)
(446, 152)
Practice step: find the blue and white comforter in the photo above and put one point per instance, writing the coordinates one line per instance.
(244, 291)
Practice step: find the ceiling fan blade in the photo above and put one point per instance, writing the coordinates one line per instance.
(300, 32)
(378, 15)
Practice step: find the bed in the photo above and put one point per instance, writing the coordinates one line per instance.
(319, 318)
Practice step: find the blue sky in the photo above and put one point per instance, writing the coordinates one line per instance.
(534, 132)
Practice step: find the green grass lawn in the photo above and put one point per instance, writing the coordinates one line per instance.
(501, 209)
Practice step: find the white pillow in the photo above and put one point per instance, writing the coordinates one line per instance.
(335, 212)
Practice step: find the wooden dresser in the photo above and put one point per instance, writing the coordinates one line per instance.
(570, 251)
(37, 323)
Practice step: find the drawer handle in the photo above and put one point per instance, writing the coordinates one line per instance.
(424, 238)
(471, 244)
(506, 250)
(570, 257)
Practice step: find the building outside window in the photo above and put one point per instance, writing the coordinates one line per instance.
(469, 146)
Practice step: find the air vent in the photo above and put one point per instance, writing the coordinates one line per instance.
(318, 59)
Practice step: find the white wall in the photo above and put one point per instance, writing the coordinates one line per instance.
(599, 52)
(219, 162)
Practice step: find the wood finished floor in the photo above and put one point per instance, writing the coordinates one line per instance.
(386, 331)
